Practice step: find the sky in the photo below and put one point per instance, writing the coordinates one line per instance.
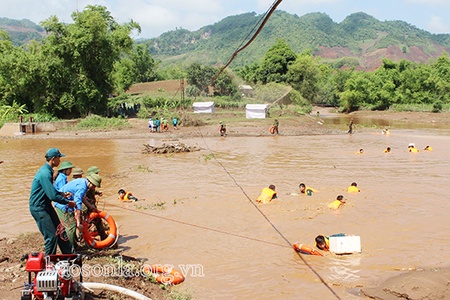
(158, 16)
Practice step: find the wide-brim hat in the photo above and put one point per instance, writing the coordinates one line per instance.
(66, 165)
(95, 179)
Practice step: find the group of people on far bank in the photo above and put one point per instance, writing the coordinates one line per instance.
(160, 125)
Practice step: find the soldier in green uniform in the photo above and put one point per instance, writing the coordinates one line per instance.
(41, 196)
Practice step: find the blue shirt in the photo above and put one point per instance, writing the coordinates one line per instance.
(78, 187)
(42, 190)
(60, 181)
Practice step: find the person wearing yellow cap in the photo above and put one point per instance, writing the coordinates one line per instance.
(42, 194)
(71, 217)
(64, 170)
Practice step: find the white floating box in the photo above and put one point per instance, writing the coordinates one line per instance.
(345, 244)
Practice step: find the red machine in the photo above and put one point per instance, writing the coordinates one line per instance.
(53, 277)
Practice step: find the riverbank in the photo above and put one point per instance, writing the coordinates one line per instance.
(237, 125)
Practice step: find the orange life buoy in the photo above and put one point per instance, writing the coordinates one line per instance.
(90, 237)
(272, 129)
(306, 249)
(164, 275)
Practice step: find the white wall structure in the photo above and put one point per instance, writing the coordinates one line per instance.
(256, 111)
(203, 107)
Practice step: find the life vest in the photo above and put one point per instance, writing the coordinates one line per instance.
(335, 204)
(414, 150)
(428, 148)
(310, 189)
(126, 197)
(353, 189)
(327, 243)
(266, 195)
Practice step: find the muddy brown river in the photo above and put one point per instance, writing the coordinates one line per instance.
(197, 210)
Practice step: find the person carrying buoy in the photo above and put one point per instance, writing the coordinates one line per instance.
(267, 194)
(337, 203)
(222, 129)
(274, 128)
(412, 148)
(91, 198)
(64, 170)
(71, 217)
(353, 188)
(126, 196)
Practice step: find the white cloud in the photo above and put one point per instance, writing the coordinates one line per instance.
(437, 25)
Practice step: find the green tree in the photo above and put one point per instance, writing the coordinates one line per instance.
(304, 75)
(224, 85)
(276, 63)
(80, 59)
(200, 76)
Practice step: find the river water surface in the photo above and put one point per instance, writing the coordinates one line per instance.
(197, 211)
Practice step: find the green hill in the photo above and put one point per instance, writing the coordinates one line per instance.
(21, 31)
(360, 40)
(359, 37)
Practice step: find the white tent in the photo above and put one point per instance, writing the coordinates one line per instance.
(203, 107)
(256, 111)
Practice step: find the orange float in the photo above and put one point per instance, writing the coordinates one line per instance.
(164, 275)
(90, 237)
(272, 129)
(302, 248)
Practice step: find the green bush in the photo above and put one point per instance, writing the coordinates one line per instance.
(437, 107)
(97, 122)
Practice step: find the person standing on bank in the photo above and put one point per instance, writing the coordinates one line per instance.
(71, 216)
(275, 126)
(64, 171)
(41, 196)
(350, 126)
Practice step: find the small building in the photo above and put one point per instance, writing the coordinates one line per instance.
(256, 111)
(246, 90)
(203, 107)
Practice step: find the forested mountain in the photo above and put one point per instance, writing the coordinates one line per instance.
(360, 40)
(21, 31)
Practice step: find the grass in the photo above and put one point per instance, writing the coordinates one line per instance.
(100, 123)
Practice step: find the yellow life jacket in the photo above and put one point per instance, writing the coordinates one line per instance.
(327, 243)
(309, 188)
(335, 204)
(353, 189)
(126, 197)
(414, 150)
(266, 195)
(428, 148)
